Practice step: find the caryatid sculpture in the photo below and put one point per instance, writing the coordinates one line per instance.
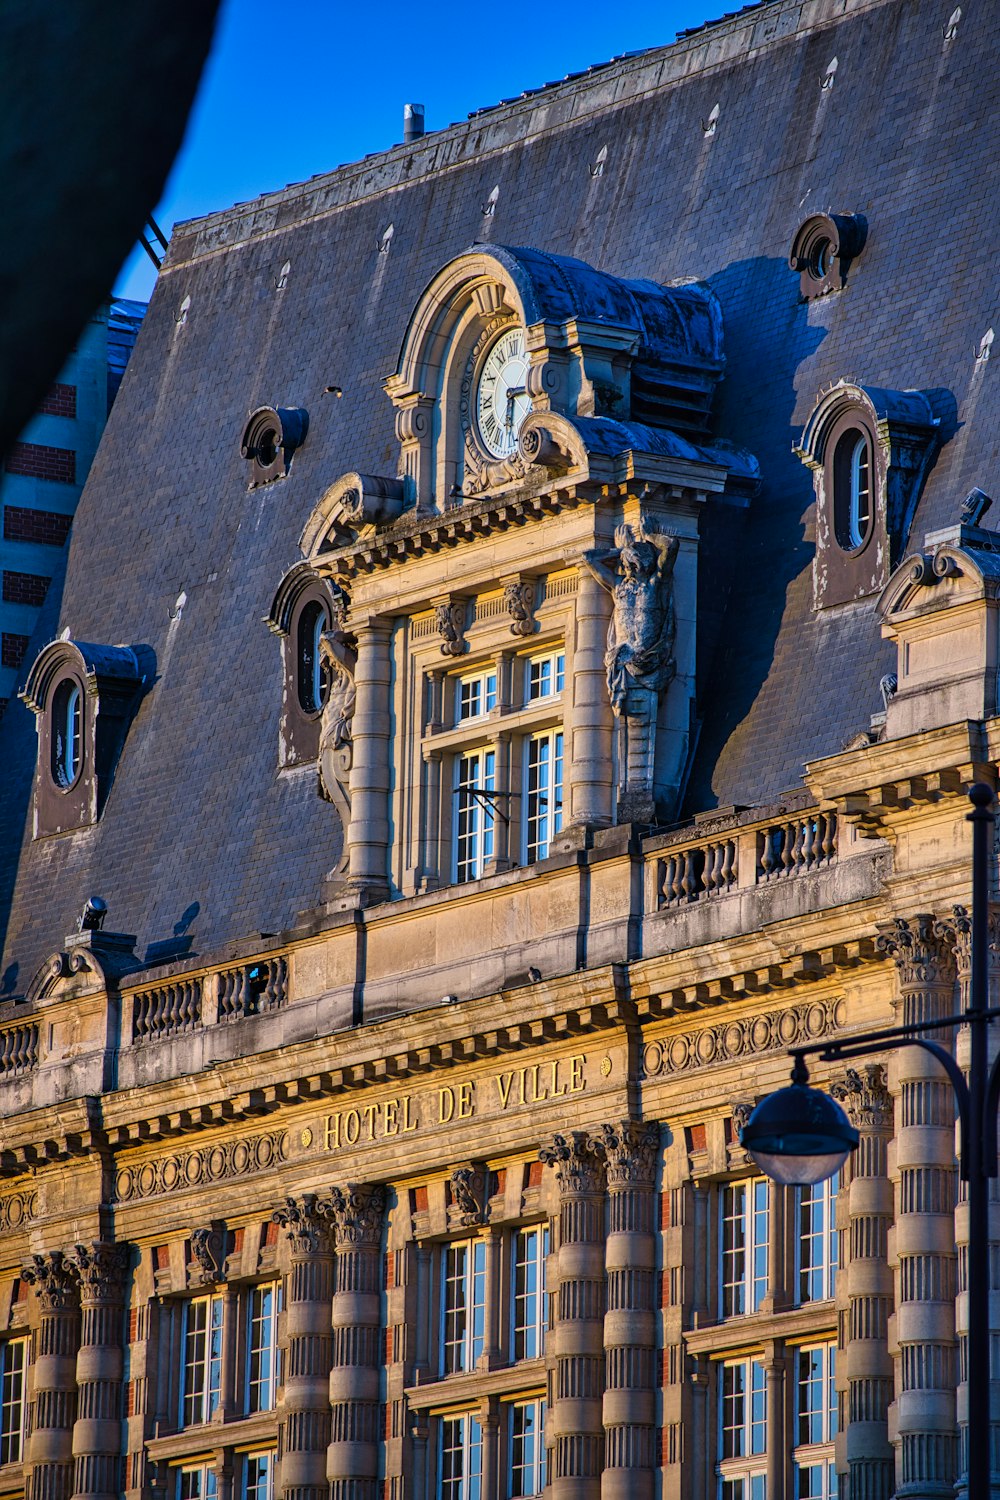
(638, 574)
(336, 750)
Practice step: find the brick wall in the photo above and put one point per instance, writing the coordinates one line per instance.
(59, 401)
(24, 588)
(39, 461)
(12, 649)
(23, 524)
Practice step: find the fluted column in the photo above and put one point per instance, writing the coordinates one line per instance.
(589, 721)
(368, 833)
(630, 1150)
(97, 1434)
(49, 1463)
(864, 1356)
(927, 1373)
(578, 1335)
(305, 1418)
(352, 1458)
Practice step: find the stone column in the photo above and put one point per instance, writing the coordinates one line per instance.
(368, 833)
(578, 1333)
(927, 1373)
(864, 1358)
(778, 1448)
(352, 1458)
(304, 1431)
(630, 1150)
(49, 1463)
(588, 718)
(100, 1363)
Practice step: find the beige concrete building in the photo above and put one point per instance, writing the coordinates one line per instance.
(524, 690)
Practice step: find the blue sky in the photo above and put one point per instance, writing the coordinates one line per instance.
(299, 89)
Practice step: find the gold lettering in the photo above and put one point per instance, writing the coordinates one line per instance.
(408, 1124)
(536, 1097)
(577, 1082)
(371, 1113)
(352, 1127)
(332, 1133)
(504, 1082)
(391, 1122)
(520, 1073)
(446, 1104)
(558, 1089)
(466, 1102)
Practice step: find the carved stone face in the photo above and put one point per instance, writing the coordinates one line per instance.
(638, 558)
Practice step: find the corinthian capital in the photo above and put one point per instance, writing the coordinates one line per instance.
(579, 1169)
(55, 1280)
(630, 1149)
(356, 1212)
(306, 1221)
(921, 947)
(864, 1095)
(101, 1267)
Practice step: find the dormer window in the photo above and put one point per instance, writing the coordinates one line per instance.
(67, 733)
(312, 674)
(853, 510)
(304, 609)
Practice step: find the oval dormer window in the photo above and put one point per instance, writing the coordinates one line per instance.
(312, 677)
(853, 510)
(67, 733)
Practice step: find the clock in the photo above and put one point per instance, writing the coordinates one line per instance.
(501, 399)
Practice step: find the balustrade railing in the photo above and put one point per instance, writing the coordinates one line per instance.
(253, 989)
(166, 1009)
(711, 867)
(801, 844)
(18, 1050)
(704, 870)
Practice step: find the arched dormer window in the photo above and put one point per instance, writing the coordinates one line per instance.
(869, 450)
(83, 696)
(305, 607)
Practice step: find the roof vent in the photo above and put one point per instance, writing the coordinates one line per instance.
(413, 122)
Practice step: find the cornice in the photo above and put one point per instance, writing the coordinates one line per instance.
(524, 1378)
(760, 1328)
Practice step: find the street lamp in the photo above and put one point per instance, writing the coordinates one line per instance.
(800, 1135)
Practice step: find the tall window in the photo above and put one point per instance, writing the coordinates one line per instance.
(258, 1476)
(817, 1240)
(311, 675)
(67, 732)
(202, 1371)
(531, 1246)
(545, 675)
(852, 488)
(464, 1313)
(526, 1462)
(744, 1221)
(742, 1430)
(460, 1458)
(197, 1483)
(13, 1399)
(815, 1423)
(475, 695)
(475, 779)
(543, 792)
(263, 1373)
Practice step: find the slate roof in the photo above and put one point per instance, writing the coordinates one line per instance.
(203, 842)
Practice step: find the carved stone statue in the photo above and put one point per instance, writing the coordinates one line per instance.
(638, 574)
(336, 751)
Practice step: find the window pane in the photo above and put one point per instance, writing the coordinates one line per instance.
(259, 1481)
(527, 1448)
(262, 1372)
(12, 1400)
(528, 1302)
(543, 792)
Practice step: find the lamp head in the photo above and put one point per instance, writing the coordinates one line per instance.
(799, 1135)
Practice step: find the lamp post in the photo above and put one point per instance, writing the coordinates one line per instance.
(800, 1135)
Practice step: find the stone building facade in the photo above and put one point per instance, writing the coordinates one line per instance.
(529, 629)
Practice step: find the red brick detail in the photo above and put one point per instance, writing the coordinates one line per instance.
(161, 1257)
(60, 401)
(23, 524)
(271, 1233)
(390, 1270)
(696, 1138)
(535, 1174)
(420, 1200)
(500, 1177)
(664, 1446)
(664, 1289)
(24, 588)
(665, 1210)
(387, 1351)
(12, 649)
(20, 1290)
(133, 1324)
(387, 1421)
(130, 1400)
(38, 461)
(238, 1235)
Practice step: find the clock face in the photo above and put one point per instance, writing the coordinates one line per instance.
(502, 400)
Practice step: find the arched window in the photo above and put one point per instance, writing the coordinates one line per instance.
(312, 675)
(852, 489)
(67, 732)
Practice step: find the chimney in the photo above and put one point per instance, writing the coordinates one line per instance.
(413, 122)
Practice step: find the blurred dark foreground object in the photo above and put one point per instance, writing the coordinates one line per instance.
(94, 99)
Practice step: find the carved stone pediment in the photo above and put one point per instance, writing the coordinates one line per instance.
(353, 505)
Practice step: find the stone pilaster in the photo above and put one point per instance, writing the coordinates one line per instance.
(304, 1434)
(578, 1334)
(368, 833)
(630, 1150)
(48, 1469)
(925, 1175)
(863, 1361)
(352, 1459)
(97, 1434)
(588, 718)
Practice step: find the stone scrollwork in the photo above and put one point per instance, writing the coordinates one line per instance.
(744, 1036)
(630, 1149)
(55, 1279)
(468, 1195)
(921, 947)
(519, 601)
(208, 1253)
(865, 1096)
(356, 1213)
(307, 1222)
(638, 574)
(102, 1266)
(579, 1168)
(449, 617)
(742, 1110)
